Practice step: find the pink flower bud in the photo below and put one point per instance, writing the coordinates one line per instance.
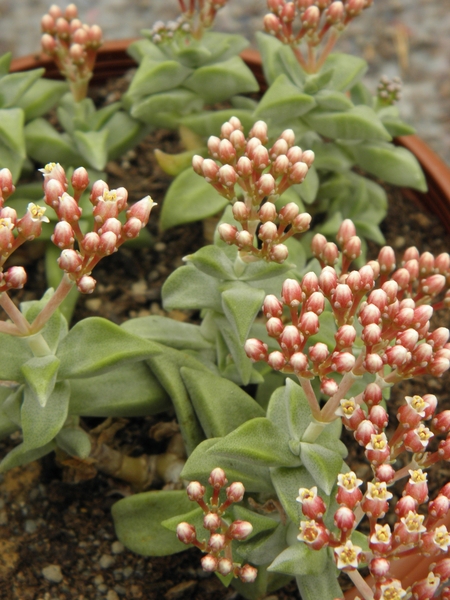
(195, 491)
(342, 362)
(311, 17)
(272, 307)
(291, 293)
(379, 567)
(438, 366)
(309, 324)
(408, 339)
(216, 542)
(131, 228)
(113, 225)
(280, 148)
(370, 314)
(281, 165)
(91, 242)
(48, 44)
(80, 179)
(213, 149)
(237, 138)
(422, 354)
(226, 151)
(227, 233)
(385, 472)
(412, 266)
(294, 154)
(209, 563)
(267, 212)
(346, 231)
(372, 394)
(330, 254)
(274, 327)
(256, 350)
(298, 172)
(277, 360)
(6, 235)
(70, 261)
(373, 363)
(438, 338)
(344, 519)
(378, 416)
(444, 449)
(434, 284)
(252, 145)
(217, 478)
(290, 339)
(247, 574)
(6, 183)
(197, 162)
(259, 130)
(244, 167)
(318, 352)
(386, 259)
(288, 212)
(140, 210)
(405, 505)
(441, 421)
(15, 278)
(301, 222)
(397, 356)
(47, 24)
(371, 335)
(328, 280)
(210, 170)
(442, 569)
(352, 248)
(68, 209)
(76, 51)
(225, 566)
(368, 275)
(328, 386)
(335, 13)
(364, 432)
(235, 492)
(308, 157)
(239, 530)
(268, 232)
(266, 185)
(439, 507)
(315, 303)
(86, 284)
(244, 239)
(310, 284)
(341, 297)
(279, 253)
(241, 212)
(108, 243)
(63, 236)
(288, 12)
(299, 362)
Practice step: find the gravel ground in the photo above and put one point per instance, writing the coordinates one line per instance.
(397, 37)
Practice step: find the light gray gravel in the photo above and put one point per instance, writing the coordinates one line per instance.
(53, 573)
(410, 38)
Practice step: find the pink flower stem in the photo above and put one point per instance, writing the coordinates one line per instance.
(61, 292)
(22, 325)
(361, 585)
(311, 397)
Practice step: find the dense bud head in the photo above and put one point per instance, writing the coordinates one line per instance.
(217, 478)
(267, 212)
(86, 284)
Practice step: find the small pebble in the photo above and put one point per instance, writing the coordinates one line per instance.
(30, 526)
(120, 590)
(106, 561)
(127, 572)
(112, 595)
(52, 573)
(117, 547)
(102, 588)
(99, 579)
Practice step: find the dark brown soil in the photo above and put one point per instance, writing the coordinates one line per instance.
(46, 520)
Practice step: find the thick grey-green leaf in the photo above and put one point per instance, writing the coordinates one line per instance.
(41, 97)
(11, 129)
(200, 464)
(190, 198)
(221, 406)
(283, 98)
(166, 109)
(137, 520)
(129, 390)
(169, 332)
(21, 456)
(308, 189)
(74, 441)
(40, 375)
(257, 441)
(235, 348)
(289, 410)
(261, 523)
(92, 147)
(40, 424)
(358, 123)
(391, 164)
(189, 288)
(332, 100)
(241, 305)
(299, 560)
(14, 352)
(347, 70)
(322, 586)
(96, 345)
(124, 133)
(14, 85)
(209, 122)
(213, 261)
(219, 81)
(6, 425)
(154, 76)
(44, 143)
(264, 548)
(323, 464)
(269, 47)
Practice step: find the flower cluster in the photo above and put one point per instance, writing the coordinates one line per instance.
(389, 91)
(108, 233)
(72, 45)
(195, 17)
(263, 173)
(391, 308)
(219, 556)
(315, 19)
(409, 532)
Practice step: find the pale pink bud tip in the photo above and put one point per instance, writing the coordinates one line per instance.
(86, 284)
(141, 210)
(186, 533)
(209, 563)
(235, 492)
(239, 530)
(195, 491)
(247, 574)
(217, 478)
(15, 278)
(80, 179)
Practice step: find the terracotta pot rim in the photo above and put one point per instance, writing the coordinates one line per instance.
(113, 61)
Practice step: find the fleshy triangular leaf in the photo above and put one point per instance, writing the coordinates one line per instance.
(40, 375)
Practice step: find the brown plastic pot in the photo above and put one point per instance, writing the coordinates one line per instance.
(113, 61)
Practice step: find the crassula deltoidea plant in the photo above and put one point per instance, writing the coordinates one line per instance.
(287, 354)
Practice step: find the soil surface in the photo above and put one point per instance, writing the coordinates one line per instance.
(57, 539)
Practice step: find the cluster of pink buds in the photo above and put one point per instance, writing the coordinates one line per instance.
(218, 551)
(196, 16)
(263, 173)
(389, 91)
(72, 45)
(108, 233)
(391, 308)
(15, 231)
(311, 20)
(416, 530)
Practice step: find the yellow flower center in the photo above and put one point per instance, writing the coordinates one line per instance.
(418, 403)
(418, 476)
